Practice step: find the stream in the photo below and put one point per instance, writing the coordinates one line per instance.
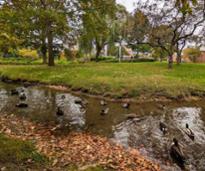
(141, 132)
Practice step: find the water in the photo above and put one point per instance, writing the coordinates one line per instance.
(142, 132)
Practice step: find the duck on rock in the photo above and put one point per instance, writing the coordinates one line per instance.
(189, 132)
(163, 127)
(126, 105)
(104, 111)
(103, 103)
(59, 111)
(177, 154)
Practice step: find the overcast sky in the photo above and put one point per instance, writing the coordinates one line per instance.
(128, 3)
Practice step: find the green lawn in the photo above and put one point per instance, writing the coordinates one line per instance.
(117, 79)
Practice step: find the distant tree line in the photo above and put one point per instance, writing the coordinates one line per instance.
(164, 27)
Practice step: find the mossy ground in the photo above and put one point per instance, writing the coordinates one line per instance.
(19, 154)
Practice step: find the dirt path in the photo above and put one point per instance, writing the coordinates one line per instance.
(80, 149)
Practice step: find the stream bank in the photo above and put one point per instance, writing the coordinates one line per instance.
(158, 96)
(79, 149)
(134, 127)
(139, 81)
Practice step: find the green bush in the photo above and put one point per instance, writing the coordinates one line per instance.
(28, 53)
(144, 60)
(105, 59)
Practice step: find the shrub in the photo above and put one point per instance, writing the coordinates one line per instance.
(69, 54)
(28, 53)
(192, 54)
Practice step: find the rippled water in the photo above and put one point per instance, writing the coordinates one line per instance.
(142, 132)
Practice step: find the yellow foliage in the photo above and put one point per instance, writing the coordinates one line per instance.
(191, 54)
(62, 56)
(28, 53)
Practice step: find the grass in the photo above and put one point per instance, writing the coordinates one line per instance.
(15, 153)
(117, 79)
(19, 61)
(27, 61)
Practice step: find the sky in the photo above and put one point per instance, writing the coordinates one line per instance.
(129, 4)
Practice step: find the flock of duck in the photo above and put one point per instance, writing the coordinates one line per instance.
(22, 96)
(176, 151)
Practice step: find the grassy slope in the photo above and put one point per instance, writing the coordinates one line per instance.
(117, 79)
(15, 154)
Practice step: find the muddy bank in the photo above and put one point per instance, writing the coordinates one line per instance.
(74, 148)
(160, 96)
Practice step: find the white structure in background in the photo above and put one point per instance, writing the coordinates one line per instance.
(128, 51)
(202, 48)
(106, 50)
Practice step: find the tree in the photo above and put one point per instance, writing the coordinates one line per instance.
(159, 53)
(39, 20)
(185, 5)
(8, 38)
(170, 28)
(97, 24)
(139, 27)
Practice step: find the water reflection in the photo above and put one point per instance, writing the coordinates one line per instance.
(3, 98)
(192, 116)
(74, 113)
(146, 135)
(42, 106)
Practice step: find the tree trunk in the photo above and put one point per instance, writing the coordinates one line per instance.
(161, 57)
(44, 51)
(98, 50)
(179, 59)
(170, 62)
(50, 48)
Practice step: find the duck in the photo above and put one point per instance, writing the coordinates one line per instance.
(59, 111)
(177, 154)
(22, 96)
(161, 106)
(104, 111)
(78, 101)
(163, 127)
(103, 103)
(27, 84)
(63, 96)
(189, 132)
(21, 90)
(14, 92)
(22, 105)
(126, 105)
(131, 116)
